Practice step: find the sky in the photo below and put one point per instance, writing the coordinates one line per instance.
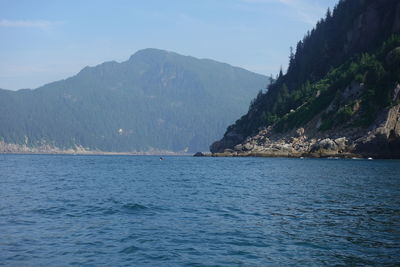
(48, 40)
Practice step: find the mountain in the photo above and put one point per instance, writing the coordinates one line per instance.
(155, 101)
(339, 96)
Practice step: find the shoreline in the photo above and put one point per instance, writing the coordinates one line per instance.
(297, 155)
(214, 155)
(96, 153)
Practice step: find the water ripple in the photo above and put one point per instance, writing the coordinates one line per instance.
(125, 211)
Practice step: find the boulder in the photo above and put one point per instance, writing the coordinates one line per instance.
(247, 146)
(341, 143)
(324, 145)
(300, 132)
(238, 147)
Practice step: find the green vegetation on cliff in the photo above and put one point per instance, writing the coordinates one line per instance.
(347, 69)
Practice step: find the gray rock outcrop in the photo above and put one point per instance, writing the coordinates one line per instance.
(381, 141)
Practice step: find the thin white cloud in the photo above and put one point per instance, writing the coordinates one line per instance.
(41, 24)
(303, 10)
(307, 12)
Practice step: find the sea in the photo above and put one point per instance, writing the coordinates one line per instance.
(65, 210)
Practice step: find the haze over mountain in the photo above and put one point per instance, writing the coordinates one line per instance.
(156, 100)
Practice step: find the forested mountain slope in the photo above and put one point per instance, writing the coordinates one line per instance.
(340, 94)
(155, 101)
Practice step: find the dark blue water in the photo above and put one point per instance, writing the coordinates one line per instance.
(184, 211)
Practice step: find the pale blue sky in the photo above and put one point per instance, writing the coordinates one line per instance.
(47, 40)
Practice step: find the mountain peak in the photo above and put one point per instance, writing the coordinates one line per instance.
(150, 53)
(156, 100)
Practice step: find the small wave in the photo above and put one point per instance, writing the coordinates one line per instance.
(110, 211)
(129, 250)
(310, 245)
(134, 207)
(248, 243)
(50, 211)
(107, 209)
(90, 210)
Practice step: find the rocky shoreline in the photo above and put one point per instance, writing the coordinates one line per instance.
(382, 140)
(46, 149)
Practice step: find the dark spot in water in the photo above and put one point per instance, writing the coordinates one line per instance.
(129, 250)
(134, 207)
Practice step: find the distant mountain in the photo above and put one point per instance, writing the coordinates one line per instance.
(340, 95)
(156, 100)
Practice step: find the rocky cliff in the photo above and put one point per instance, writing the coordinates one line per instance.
(339, 97)
(379, 141)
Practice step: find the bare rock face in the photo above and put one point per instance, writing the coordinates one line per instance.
(383, 141)
(325, 145)
(229, 141)
(364, 29)
(248, 146)
(396, 92)
(300, 132)
(368, 25)
(341, 144)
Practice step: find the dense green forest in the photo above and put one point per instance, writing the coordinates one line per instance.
(156, 100)
(346, 68)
